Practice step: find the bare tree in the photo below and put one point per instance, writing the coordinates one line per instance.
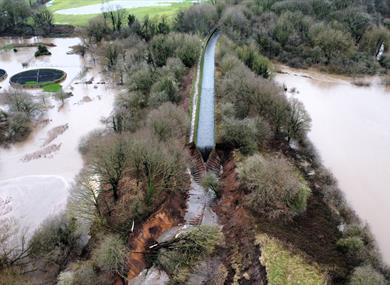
(298, 120)
(109, 161)
(14, 249)
(84, 197)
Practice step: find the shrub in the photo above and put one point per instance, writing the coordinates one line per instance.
(19, 126)
(254, 60)
(298, 121)
(385, 61)
(350, 245)
(274, 189)
(334, 43)
(263, 131)
(235, 23)
(372, 39)
(386, 23)
(129, 111)
(96, 29)
(174, 67)
(366, 275)
(168, 122)
(210, 181)
(141, 79)
(240, 134)
(56, 240)
(84, 274)
(189, 50)
(42, 50)
(183, 46)
(227, 110)
(43, 19)
(22, 102)
(160, 166)
(110, 254)
(164, 90)
(198, 18)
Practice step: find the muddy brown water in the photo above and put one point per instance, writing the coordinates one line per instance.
(38, 187)
(351, 131)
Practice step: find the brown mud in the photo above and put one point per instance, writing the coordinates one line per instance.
(241, 255)
(170, 214)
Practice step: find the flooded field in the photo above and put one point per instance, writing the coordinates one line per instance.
(35, 175)
(351, 130)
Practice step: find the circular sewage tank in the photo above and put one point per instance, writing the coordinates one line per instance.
(3, 74)
(37, 78)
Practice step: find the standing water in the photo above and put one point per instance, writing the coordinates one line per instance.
(351, 130)
(34, 182)
(205, 132)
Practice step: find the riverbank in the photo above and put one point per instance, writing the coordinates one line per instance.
(349, 131)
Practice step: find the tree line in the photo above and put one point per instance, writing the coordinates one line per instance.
(21, 17)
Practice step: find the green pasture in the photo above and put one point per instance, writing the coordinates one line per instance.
(81, 20)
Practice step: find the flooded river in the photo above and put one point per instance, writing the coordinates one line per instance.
(37, 184)
(351, 130)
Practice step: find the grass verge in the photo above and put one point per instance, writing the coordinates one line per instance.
(285, 267)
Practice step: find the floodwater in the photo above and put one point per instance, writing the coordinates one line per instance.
(116, 5)
(38, 185)
(206, 135)
(351, 131)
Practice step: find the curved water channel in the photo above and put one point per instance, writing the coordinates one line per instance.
(351, 130)
(35, 175)
(206, 124)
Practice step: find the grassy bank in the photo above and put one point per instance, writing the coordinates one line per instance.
(140, 13)
(285, 267)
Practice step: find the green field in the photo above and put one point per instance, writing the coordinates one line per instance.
(81, 20)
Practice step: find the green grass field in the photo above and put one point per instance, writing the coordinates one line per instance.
(81, 20)
(287, 268)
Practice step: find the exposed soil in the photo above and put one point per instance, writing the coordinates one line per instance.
(170, 214)
(242, 255)
(314, 233)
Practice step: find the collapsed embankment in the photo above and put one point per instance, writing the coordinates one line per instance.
(314, 233)
(170, 214)
(241, 255)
